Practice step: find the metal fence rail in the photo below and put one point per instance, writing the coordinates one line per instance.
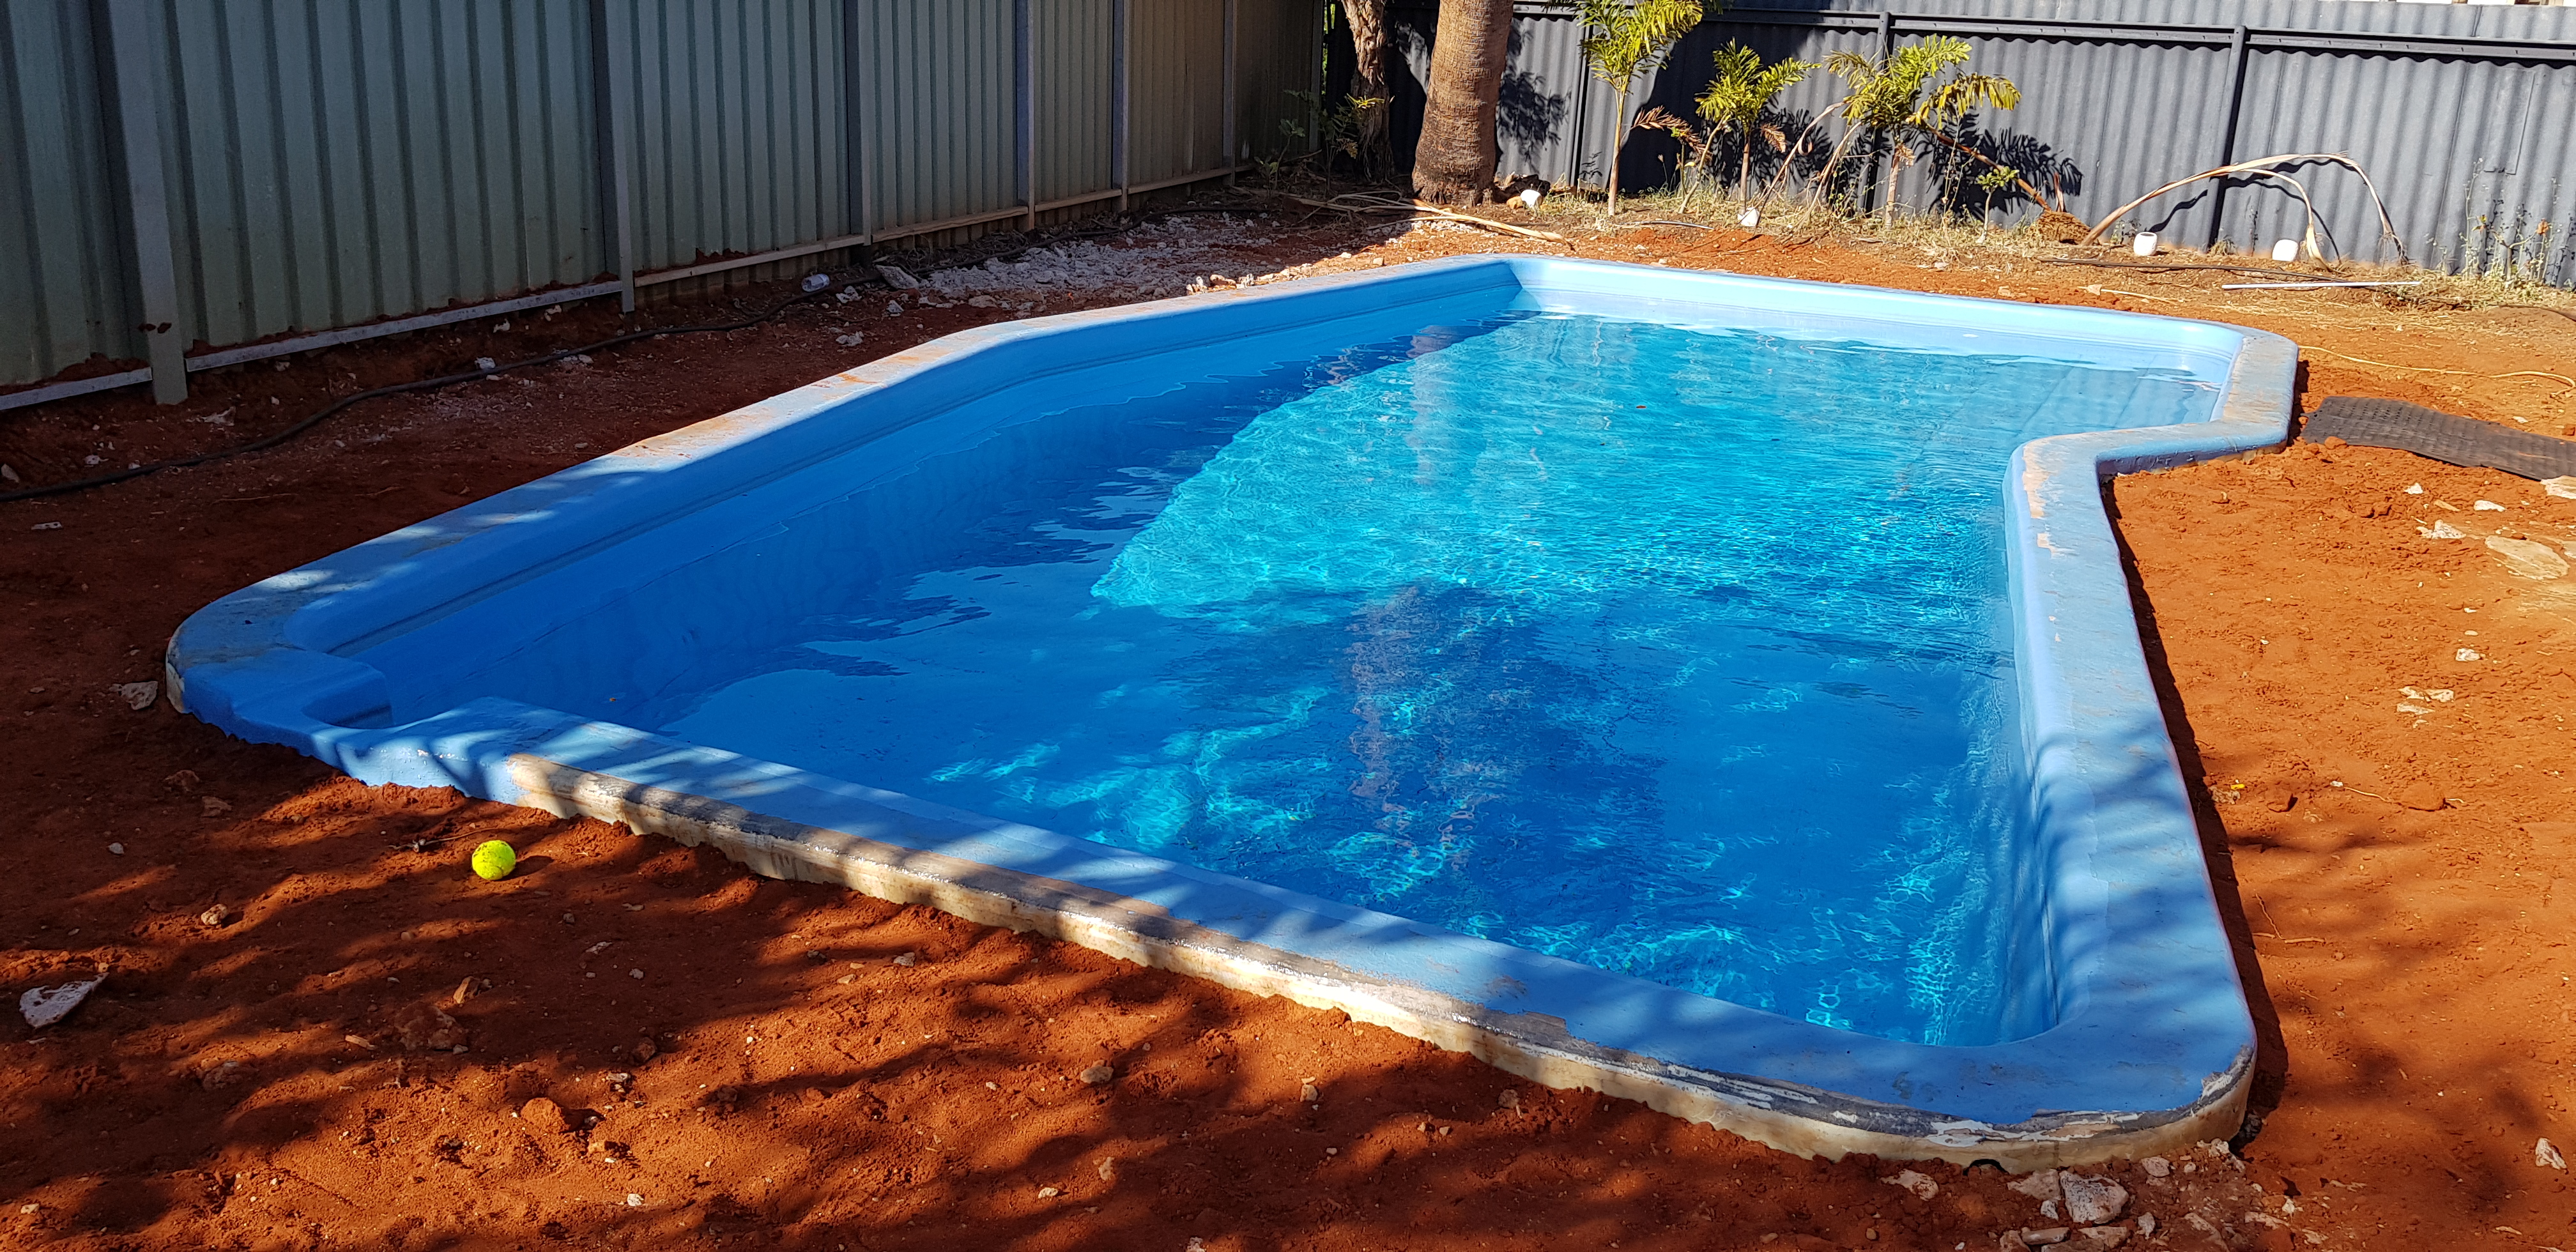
(198, 183)
(2462, 114)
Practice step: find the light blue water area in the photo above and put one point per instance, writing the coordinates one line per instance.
(1674, 651)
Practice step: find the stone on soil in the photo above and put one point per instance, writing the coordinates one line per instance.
(2092, 1201)
(1098, 1074)
(2527, 558)
(1922, 1187)
(44, 1006)
(2042, 1186)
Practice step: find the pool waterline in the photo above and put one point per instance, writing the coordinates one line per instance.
(1255, 917)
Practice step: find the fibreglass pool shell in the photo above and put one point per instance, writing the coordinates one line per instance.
(2149, 1045)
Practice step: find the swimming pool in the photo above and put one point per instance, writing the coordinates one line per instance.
(1652, 681)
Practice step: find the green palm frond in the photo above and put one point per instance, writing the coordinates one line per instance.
(1626, 37)
(1744, 86)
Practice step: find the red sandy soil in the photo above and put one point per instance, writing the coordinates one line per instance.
(318, 1031)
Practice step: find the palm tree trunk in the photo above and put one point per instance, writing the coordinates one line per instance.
(1368, 80)
(1453, 162)
(1618, 137)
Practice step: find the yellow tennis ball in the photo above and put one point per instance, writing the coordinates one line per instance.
(494, 860)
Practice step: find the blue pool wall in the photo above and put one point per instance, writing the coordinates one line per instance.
(2123, 972)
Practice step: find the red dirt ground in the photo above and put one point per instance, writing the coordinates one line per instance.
(661, 1050)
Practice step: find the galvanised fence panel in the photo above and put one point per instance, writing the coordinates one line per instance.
(64, 288)
(2460, 113)
(738, 126)
(1178, 100)
(940, 99)
(1279, 50)
(334, 163)
(1075, 59)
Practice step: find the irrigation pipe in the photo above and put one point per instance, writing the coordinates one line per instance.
(446, 380)
(2427, 369)
(2261, 165)
(1373, 202)
(2181, 265)
(2312, 286)
(424, 384)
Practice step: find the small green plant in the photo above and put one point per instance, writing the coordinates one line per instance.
(1337, 130)
(1625, 37)
(1737, 97)
(1913, 91)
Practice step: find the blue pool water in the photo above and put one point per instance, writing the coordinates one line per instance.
(1673, 650)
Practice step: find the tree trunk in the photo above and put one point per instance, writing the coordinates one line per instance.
(1454, 161)
(1618, 140)
(1369, 82)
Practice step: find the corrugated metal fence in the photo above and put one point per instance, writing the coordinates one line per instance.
(2464, 115)
(181, 177)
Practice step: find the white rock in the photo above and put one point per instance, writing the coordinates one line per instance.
(2546, 1154)
(2048, 1209)
(138, 696)
(8, 475)
(2093, 1201)
(2527, 558)
(2415, 489)
(2102, 1236)
(1922, 1187)
(634, 1201)
(2042, 1186)
(850, 340)
(2488, 506)
(486, 363)
(2563, 486)
(896, 278)
(44, 1006)
(2156, 1166)
(116, 849)
(2468, 654)
(894, 308)
(2146, 1223)
(2442, 530)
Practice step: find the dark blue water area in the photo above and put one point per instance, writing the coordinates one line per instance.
(1675, 651)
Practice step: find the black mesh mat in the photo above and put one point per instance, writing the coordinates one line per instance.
(2441, 436)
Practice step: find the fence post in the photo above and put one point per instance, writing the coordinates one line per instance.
(1120, 36)
(613, 105)
(1024, 70)
(136, 82)
(858, 184)
(1230, 103)
(2227, 134)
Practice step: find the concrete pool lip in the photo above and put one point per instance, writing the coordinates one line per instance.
(2151, 1045)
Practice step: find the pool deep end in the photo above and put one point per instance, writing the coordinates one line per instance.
(2147, 1046)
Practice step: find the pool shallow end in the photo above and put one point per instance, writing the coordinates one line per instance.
(2151, 1045)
